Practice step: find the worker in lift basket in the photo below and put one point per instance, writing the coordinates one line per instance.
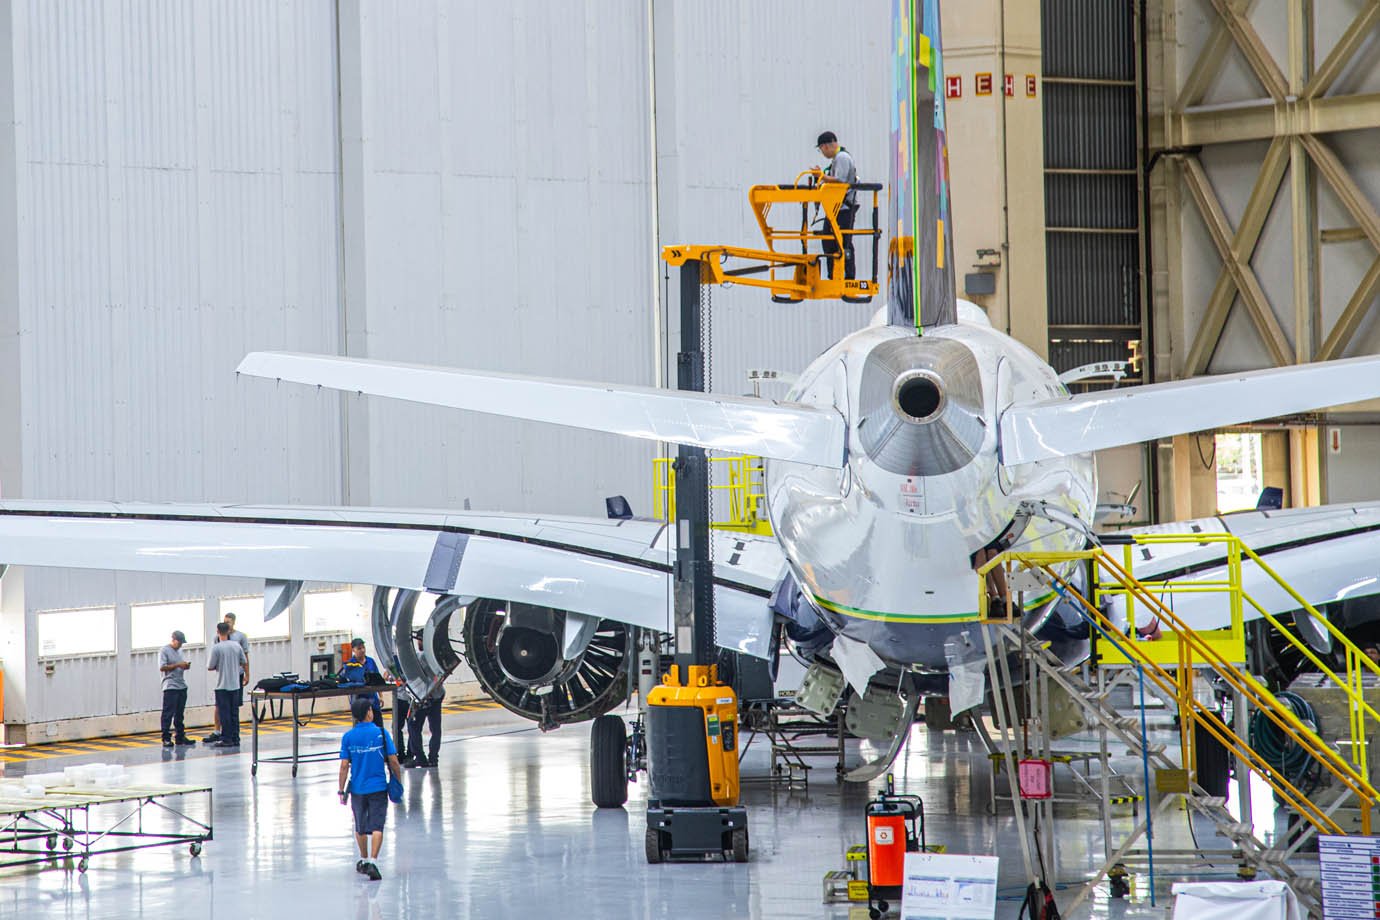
(367, 756)
(840, 169)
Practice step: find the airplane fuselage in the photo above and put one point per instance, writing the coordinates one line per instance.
(884, 546)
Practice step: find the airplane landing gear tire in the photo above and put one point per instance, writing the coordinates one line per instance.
(608, 771)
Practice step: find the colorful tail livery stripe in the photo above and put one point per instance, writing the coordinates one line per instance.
(920, 273)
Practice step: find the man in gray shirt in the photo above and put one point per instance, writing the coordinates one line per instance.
(242, 641)
(840, 169)
(227, 660)
(173, 665)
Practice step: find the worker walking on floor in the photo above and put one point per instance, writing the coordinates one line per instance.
(227, 660)
(173, 664)
(840, 169)
(367, 756)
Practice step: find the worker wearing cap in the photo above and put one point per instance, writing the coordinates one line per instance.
(840, 169)
(173, 664)
(353, 671)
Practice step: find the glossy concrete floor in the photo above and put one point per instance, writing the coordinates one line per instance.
(504, 829)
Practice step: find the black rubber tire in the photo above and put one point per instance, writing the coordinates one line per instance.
(81, 864)
(608, 772)
(653, 846)
(740, 845)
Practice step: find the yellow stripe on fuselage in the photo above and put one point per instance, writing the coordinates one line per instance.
(916, 618)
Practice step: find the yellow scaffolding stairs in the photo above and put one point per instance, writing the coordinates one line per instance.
(1167, 664)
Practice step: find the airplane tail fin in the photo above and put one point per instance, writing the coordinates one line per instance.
(921, 287)
(1109, 418)
(778, 430)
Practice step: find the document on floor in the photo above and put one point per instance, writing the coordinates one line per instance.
(949, 886)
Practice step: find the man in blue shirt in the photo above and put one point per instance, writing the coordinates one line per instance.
(354, 671)
(367, 756)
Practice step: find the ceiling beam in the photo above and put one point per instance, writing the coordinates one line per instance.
(1345, 49)
(1261, 62)
(1348, 192)
(1244, 241)
(1210, 61)
(1262, 120)
(1350, 319)
(1252, 294)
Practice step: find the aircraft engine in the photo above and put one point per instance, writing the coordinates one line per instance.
(921, 401)
(552, 666)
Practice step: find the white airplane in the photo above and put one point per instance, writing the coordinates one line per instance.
(902, 452)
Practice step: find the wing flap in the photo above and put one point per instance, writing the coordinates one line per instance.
(1110, 418)
(781, 431)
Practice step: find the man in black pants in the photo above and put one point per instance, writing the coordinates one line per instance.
(428, 711)
(840, 169)
(173, 665)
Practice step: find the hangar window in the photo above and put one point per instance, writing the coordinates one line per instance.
(249, 617)
(150, 625)
(333, 612)
(1240, 466)
(88, 631)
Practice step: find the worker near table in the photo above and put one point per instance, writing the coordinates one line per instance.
(840, 169)
(354, 670)
(227, 660)
(242, 641)
(367, 756)
(173, 664)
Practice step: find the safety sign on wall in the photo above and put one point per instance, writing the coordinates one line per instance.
(949, 885)
(1350, 874)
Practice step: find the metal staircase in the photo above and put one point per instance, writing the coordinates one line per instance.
(1167, 666)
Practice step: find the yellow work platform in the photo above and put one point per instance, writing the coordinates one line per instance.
(792, 277)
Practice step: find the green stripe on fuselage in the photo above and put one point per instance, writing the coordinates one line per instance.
(916, 618)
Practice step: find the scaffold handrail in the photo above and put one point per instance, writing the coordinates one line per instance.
(746, 491)
(1193, 651)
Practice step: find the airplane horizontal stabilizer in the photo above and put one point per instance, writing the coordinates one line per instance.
(1109, 418)
(745, 425)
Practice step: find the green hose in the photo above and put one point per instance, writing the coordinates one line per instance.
(1284, 755)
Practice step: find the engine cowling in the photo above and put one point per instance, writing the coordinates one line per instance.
(546, 664)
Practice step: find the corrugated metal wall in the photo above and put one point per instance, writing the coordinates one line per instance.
(180, 204)
(1092, 180)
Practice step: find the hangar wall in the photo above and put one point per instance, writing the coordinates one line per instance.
(1263, 129)
(459, 183)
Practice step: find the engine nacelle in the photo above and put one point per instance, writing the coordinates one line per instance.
(548, 665)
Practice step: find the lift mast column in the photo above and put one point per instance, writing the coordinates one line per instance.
(692, 720)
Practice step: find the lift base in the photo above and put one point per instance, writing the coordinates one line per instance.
(696, 832)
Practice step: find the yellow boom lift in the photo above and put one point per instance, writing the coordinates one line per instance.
(792, 276)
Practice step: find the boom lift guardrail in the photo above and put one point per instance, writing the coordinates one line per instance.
(792, 277)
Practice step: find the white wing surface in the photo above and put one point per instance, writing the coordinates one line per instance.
(620, 570)
(1108, 418)
(1327, 554)
(745, 425)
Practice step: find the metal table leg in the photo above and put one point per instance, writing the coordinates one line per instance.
(253, 737)
(295, 728)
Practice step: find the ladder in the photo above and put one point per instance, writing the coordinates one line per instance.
(1167, 666)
